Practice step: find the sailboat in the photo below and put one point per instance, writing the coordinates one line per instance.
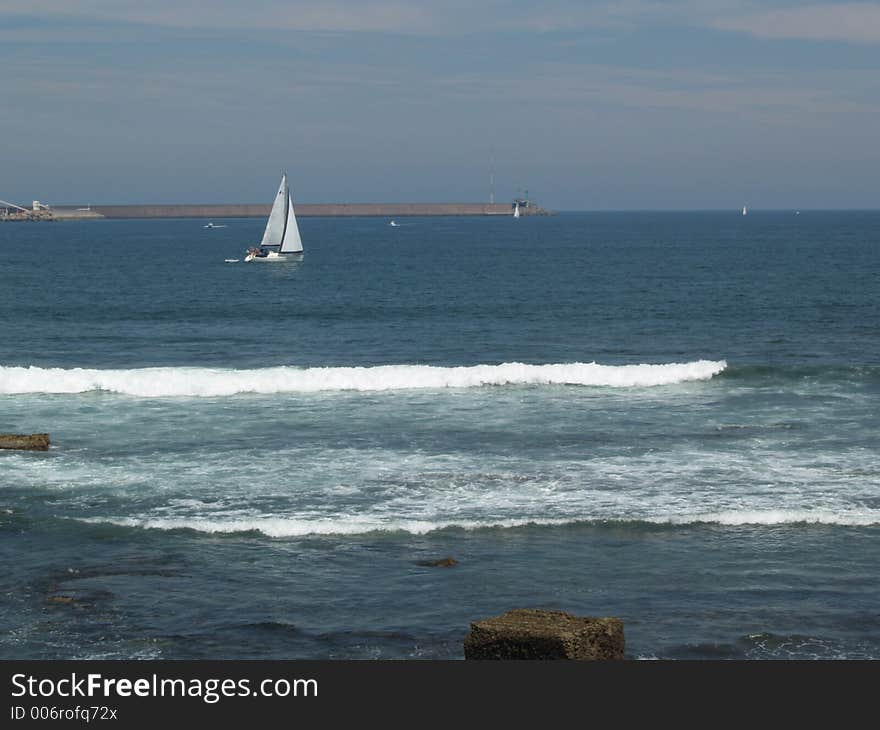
(516, 210)
(281, 239)
(745, 210)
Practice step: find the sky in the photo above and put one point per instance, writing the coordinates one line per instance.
(629, 105)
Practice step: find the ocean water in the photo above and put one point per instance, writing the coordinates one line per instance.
(671, 418)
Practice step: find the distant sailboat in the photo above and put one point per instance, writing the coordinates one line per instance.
(516, 210)
(394, 223)
(745, 210)
(282, 232)
(213, 225)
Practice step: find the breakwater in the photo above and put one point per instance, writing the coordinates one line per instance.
(53, 214)
(261, 210)
(388, 210)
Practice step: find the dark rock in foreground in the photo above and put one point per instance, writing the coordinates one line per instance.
(526, 633)
(29, 442)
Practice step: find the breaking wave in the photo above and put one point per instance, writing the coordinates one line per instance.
(207, 382)
(286, 527)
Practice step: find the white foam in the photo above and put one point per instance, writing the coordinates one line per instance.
(851, 518)
(281, 527)
(198, 382)
(286, 527)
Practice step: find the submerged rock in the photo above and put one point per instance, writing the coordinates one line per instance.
(79, 599)
(66, 600)
(28, 442)
(446, 562)
(526, 633)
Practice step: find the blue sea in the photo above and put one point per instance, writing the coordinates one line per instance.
(671, 418)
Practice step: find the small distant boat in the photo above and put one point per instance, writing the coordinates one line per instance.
(230, 261)
(516, 210)
(213, 225)
(282, 232)
(745, 210)
(394, 223)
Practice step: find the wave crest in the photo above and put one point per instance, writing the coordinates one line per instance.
(207, 382)
(287, 527)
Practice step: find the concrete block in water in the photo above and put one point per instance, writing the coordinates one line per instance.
(525, 633)
(28, 442)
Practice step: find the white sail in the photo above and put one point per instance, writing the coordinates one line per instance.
(274, 233)
(281, 228)
(291, 242)
(745, 210)
(516, 211)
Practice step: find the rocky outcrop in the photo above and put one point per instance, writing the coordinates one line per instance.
(526, 633)
(28, 442)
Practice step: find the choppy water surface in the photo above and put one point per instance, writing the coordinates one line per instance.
(670, 418)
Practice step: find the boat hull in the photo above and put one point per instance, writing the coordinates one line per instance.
(274, 256)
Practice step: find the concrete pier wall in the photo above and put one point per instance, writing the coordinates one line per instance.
(261, 210)
(54, 214)
(389, 210)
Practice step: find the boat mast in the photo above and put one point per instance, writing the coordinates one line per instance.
(286, 210)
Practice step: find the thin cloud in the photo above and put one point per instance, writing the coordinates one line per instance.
(854, 22)
(849, 22)
(416, 17)
(333, 15)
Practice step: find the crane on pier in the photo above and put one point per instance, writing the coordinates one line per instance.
(13, 205)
